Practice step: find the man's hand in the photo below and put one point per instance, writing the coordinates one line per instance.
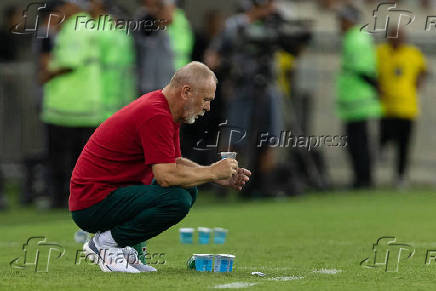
(236, 181)
(224, 169)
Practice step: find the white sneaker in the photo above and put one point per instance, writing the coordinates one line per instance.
(131, 255)
(109, 259)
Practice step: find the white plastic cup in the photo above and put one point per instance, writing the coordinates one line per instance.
(228, 155)
(186, 235)
(223, 263)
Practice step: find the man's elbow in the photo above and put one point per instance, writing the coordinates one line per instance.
(166, 179)
(166, 176)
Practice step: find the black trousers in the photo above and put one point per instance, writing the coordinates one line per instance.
(64, 145)
(398, 131)
(359, 151)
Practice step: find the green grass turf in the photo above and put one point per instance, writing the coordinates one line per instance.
(282, 238)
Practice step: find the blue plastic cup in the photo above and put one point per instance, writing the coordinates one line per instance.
(186, 235)
(204, 235)
(219, 235)
(223, 263)
(203, 262)
(228, 155)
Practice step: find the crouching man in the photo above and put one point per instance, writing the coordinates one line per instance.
(113, 193)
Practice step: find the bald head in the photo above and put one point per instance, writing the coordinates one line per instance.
(194, 74)
(190, 92)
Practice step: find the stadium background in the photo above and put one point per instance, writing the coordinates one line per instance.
(21, 132)
(293, 239)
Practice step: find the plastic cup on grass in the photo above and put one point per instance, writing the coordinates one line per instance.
(219, 235)
(186, 235)
(204, 235)
(223, 263)
(203, 262)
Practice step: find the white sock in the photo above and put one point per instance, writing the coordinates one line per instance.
(105, 239)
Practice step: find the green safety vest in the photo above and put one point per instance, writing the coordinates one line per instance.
(74, 99)
(357, 100)
(181, 39)
(117, 75)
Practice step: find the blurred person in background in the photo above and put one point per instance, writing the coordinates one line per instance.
(181, 38)
(13, 46)
(117, 59)
(401, 70)
(72, 105)
(8, 49)
(213, 22)
(14, 51)
(154, 54)
(357, 100)
(35, 189)
(244, 49)
(304, 168)
(44, 46)
(7, 54)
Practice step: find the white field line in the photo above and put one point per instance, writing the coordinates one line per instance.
(264, 268)
(235, 285)
(327, 271)
(287, 278)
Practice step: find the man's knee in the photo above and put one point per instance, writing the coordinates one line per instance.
(181, 201)
(194, 192)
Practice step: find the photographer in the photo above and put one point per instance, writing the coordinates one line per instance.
(154, 54)
(245, 51)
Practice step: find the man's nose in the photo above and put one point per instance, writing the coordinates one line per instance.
(207, 107)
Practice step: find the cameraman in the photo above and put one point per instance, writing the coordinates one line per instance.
(245, 52)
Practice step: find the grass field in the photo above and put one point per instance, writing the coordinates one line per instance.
(285, 239)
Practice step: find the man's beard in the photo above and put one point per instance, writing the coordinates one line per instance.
(191, 118)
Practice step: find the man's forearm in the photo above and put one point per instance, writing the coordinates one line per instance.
(188, 163)
(185, 176)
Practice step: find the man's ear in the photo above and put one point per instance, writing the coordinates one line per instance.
(185, 92)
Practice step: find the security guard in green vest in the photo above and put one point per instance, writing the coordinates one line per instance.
(181, 39)
(357, 100)
(117, 58)
(72, 105)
